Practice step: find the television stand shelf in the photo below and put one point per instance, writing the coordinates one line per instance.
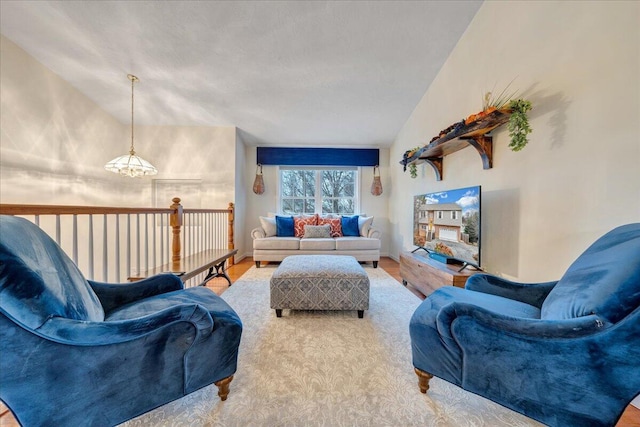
(427, 275)
(457, 137)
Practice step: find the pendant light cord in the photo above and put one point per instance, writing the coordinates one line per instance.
(133, 80)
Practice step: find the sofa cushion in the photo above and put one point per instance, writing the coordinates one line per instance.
(268, 224)
(327, 244)
(300, 221)
(356, 243)
(277, 243)
(334, 222)
(350, 226)
(317, 231)
(364, 224)
(604, 280)
(284, 226)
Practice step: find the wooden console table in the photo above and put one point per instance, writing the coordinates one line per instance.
(427, 275)
(191, 266)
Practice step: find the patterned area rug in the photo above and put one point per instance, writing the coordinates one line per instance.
(328, 369)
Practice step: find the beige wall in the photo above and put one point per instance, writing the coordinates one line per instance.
(55, 142)
(260, 205)
(578, 63)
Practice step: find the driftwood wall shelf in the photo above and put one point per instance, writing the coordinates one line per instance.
(456, 137)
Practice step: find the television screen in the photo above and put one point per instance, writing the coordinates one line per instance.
(448, 223)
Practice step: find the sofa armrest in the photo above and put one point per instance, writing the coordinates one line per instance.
(258, 233)
(374, 234)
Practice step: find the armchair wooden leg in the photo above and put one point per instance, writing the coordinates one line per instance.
(423, 380)
(223, 387)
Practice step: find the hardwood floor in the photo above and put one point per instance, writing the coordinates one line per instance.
(630, 418)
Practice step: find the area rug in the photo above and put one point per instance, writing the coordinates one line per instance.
(328, 368)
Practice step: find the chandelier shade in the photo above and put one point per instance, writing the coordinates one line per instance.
(130, 164)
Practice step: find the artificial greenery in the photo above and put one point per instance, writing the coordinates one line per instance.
(519, 123)
(413, 170)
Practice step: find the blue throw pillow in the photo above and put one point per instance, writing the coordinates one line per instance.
(284, 226)
(350, 226)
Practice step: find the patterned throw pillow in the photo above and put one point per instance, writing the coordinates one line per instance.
(300, 221)
(335, 223)
(317, 231)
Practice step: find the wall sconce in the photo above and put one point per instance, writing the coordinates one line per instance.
(376, 186)
(258, 183)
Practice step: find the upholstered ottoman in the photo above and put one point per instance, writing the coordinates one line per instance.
(320, 282)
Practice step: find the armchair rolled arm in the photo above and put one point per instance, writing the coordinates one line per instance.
(83, 333)
(258, 233)
(529, 293)
(517, 327)
(113, 295)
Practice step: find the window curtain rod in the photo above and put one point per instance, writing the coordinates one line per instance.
(318, 156)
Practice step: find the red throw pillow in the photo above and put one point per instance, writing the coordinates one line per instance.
(300, 221)
(335, 223)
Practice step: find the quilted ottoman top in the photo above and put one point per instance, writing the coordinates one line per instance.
(319, 266)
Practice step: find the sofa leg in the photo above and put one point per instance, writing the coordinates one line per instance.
(423, 380)
(257, 264)
(375, 264)
(223, 387)
(360, 314)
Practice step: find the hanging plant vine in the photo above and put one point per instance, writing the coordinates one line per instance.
(519, 123)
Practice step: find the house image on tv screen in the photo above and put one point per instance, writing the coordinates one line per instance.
(441, 221)
(448, 223)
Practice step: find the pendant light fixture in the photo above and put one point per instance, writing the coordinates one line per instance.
(130, 164)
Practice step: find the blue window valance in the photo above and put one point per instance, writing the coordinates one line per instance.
(318, 156)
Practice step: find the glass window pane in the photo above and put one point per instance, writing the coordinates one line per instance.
(287, 205)
(337, 191)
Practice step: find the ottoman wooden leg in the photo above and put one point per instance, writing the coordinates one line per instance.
(278, 312)
(423, 380)
(360, 314)
(223, 387)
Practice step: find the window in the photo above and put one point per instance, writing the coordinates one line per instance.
(455, 214)
(439, 214)
(308, 190)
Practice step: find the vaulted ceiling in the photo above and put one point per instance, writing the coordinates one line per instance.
(317, 73)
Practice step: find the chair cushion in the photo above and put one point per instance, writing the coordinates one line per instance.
(604, 280)
(38, 280)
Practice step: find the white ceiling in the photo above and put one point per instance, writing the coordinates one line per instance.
(284, 72)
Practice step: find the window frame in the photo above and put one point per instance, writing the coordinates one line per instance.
(318, 185)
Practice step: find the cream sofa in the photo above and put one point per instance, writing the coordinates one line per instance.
(364, 248)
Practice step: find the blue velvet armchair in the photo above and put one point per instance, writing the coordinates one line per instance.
(81, 353)
(566, 353)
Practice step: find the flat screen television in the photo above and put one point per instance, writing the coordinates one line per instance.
(446, 224)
